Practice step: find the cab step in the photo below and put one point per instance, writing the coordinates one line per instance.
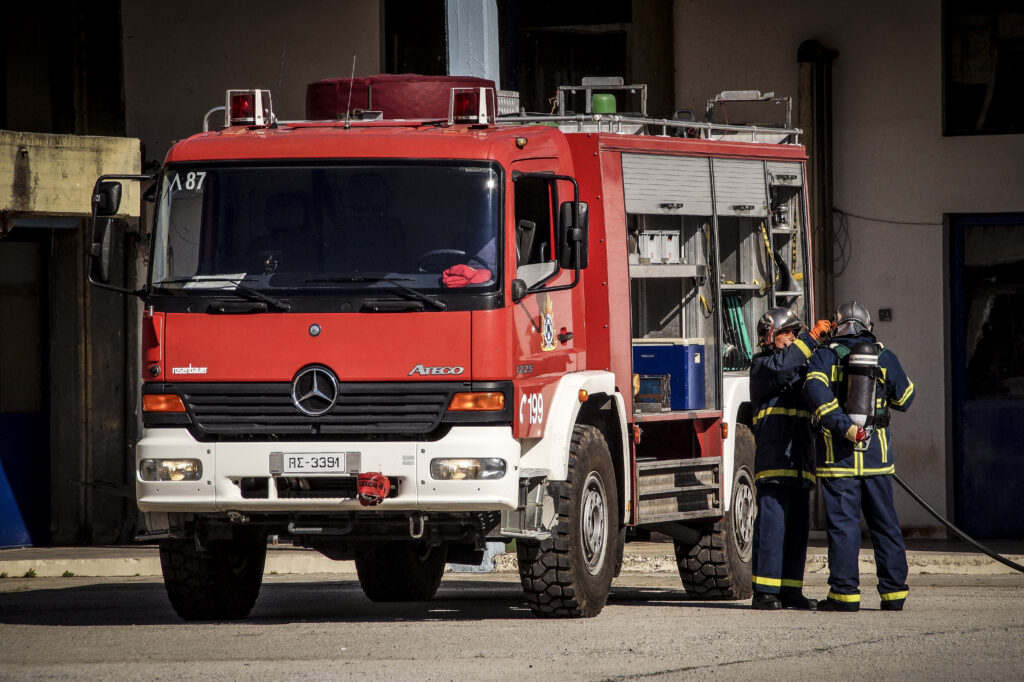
(678, 489)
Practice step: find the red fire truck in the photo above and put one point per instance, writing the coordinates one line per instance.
(391, 338)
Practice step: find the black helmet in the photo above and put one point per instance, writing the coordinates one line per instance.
(851, 319)
(776, 320)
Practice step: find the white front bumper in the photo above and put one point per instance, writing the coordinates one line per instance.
(225, 463)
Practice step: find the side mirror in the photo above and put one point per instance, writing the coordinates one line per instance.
(573, 236)
(519, 290)
(107, 198)
(99, 252)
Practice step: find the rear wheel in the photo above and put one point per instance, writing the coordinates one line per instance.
(717, 566)
(402, 571)
(220, 582)
(570, 573)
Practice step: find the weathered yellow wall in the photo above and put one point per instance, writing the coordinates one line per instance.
(54, 174)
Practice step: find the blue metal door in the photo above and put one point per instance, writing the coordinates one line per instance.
(987, 301)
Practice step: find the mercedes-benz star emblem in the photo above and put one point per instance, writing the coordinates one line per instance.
(314, 391)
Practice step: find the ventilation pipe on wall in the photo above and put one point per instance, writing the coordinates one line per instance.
(814, 117)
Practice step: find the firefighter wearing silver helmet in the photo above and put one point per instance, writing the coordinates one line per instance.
(784, 458)
(852, 383)
(852, 319)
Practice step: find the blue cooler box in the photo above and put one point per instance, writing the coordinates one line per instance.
(682, 360)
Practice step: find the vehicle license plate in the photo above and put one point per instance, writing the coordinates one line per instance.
(309, 462)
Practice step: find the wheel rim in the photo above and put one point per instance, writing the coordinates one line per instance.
(594, 523)
(743, 514)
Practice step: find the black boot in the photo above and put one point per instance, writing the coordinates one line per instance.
(835, 605)
(763, 601)
(798, 602)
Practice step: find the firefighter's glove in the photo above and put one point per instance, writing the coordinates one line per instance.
(856, 434)
(821, 330)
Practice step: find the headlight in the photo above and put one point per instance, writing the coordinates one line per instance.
(488, 469)
(170, 470)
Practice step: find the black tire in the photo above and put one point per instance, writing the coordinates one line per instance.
(220, 582)
(401, 571)
(718, 565)
(570, 573)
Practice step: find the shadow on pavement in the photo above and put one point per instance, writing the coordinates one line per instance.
(111, 604)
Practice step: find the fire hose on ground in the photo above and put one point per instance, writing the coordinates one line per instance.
(959, 533)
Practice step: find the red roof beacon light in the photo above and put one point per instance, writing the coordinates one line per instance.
(248, 107)
(470, 105)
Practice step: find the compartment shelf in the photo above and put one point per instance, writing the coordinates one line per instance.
(742, 287)
(784, 230)
(678, 270)
(675, 415)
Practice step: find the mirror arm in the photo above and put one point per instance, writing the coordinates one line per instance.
(539, 286)
(141, 293)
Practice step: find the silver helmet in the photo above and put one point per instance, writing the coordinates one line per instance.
(776, 320)
(852, 318)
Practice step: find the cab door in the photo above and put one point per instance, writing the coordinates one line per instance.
(549, 325)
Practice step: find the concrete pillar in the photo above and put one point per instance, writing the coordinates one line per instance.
(473, 39)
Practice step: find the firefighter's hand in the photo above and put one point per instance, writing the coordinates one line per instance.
(821, 329)
(856, 434)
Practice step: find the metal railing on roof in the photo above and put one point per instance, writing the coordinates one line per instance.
(661, 127)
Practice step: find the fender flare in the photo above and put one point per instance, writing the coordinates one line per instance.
(551, 451)
(735, 393)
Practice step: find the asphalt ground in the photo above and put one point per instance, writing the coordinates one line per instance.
(925, 557)
(955, 627)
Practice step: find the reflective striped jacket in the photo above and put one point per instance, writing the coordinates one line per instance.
(837, 456)
(782, 428)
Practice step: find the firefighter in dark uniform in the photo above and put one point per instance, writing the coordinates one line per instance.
(784, 459)
(852, 383)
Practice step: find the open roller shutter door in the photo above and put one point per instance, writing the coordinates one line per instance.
(666, 185)
(740, 188)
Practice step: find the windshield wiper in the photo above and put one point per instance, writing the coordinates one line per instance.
(240, 290)
(394, 281)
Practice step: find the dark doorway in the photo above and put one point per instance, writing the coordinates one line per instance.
(544, 45)
(24, 408)
(415, 37)
(987, 299)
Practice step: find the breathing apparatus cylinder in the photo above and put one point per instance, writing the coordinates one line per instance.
(861, 371)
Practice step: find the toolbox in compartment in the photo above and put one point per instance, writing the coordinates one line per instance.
(654, 393)
(659, 247)
(682, 360)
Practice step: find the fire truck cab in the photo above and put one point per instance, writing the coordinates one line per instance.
(391, 339)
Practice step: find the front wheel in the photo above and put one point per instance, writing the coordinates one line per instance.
(219, 582)
(718, 565)
(570, 573)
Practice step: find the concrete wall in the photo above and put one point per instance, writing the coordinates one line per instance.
(180, 58)
(891, 163)
(54, 174)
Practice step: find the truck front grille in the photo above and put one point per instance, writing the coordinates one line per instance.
(266, 409)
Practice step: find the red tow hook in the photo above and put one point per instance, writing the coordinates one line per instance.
(371, 488)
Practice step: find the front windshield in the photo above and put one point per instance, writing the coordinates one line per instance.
(304, 229)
